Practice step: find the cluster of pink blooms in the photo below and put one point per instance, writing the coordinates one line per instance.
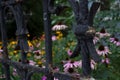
(115, 41)
(101, 50)
(76, 64)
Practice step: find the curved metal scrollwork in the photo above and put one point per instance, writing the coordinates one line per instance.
(85, 33)
(16, 8)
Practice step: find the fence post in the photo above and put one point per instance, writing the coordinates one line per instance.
(85, 32)
(4, 41)
(48, 41)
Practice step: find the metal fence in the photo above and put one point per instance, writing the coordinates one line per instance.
(84, 33)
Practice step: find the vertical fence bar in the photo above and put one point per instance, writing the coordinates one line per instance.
(48, 41)
(4, 42)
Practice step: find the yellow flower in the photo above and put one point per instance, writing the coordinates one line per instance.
(0, 47)
(58, 32)
(0, 42)
(17, 56)
(73, 43)
(15, 52)
(28, 54)
(68, 44)
(13, 42)
(60, 35)
(28, 35)
(11, 53)
(39, 62)
(30, 44)
(42, 52)
(66, 48)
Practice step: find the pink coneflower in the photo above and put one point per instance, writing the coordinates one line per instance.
(44, 78)
(55, 69)
(103, 33)
(54, 38)
(93, 64)
(14, 72)
(1, 50)
(55, 78)
(37, 54)
(72, 64)
(59, 26)
(37, 51)
(69, 70)
(106, 61)
(95, 40)
(69, 52)
(103, 50)
(115, 41)
(31, 48)
(31, 62)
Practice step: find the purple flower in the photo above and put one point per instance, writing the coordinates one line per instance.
(106, 61)
(69, 52)
(103, 33)
(93, 64)
(103, 50)
(44, 78)
(54, 38)
(1, 50)
(115, 41)
(95, 40)
(14, 72)
(71, 64)
(31, 62)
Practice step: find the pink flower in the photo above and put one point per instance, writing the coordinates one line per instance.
(54, 38)
(115, 41)
(37, 51)
(69, 52)
(55, 78)
(31, 48)
(106, 60)
(103, 50)
(44, 78)
(93, 64)
(55, 69)
(103, 33)
(32, 62)
(38, 44)
(72, 64)
(95, 40)
(14, 72)
(59, 26)
(1, 50)
(68, 70)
